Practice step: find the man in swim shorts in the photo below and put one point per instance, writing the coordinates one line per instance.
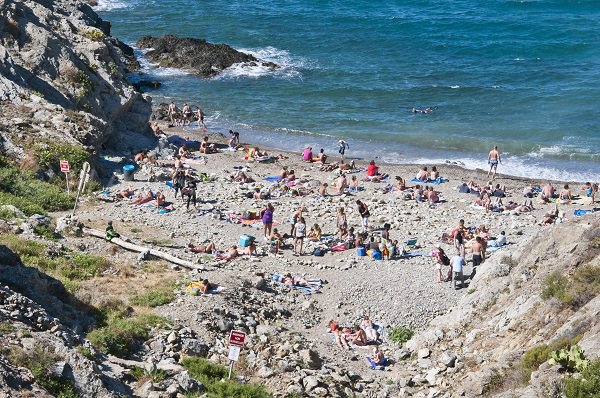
(493, 160)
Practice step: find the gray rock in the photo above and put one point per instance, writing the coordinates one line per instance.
(311, 359)
(423, 353)
(204, 58)
(310, 382)
(448, 359)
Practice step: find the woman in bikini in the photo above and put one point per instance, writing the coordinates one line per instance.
(565, 196)
(341, 222)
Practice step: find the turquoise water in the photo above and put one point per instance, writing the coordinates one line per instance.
(524, 75)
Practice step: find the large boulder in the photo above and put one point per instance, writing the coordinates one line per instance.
(197, 55)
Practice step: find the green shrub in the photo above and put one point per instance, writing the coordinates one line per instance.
(7, 328)
(87, 353)
(112, 67)
(40, 362)
(31, 195)
(587, 385)
(555, 285)
(583, 286)
(401, 334)
(121, 337)
(45, 232)
(84, 266)
(141, 374)
(6, 214)
(50, 154)
(94, 34)
(534, 357)
(214, 378)
(154, 297)
(23, 204)
(571, 359)
(22, 247)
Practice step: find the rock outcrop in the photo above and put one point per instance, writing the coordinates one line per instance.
(63, 77)
(506, 314)
(197, 55)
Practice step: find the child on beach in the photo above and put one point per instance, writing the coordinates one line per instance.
(299, 233)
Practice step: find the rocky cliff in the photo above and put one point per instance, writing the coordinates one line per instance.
(542, 293)
(62, 76)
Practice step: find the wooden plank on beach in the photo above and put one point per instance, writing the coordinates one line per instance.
(141, 249)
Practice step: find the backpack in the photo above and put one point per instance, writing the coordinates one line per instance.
(318, 252)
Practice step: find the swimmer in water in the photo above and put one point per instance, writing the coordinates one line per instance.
(425, 110)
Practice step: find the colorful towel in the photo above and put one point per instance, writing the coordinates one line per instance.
(378, 366)
(437, 181)
(272, 179)
(580, 212)
(313, 284)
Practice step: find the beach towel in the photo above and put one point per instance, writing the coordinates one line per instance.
(194, 289)
(581, 213)
(272, 179)
(416, 254)
(313, 284)
(378, 366)
(339, 248)
(437, 181)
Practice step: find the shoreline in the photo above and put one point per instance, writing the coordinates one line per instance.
(456, 169)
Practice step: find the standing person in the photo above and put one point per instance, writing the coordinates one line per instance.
(477, 249)
(299, 233)
(457, 262)
(364, 215)
(267, 220)
(441, 260)
(200, 116)
(189, 190)
(343, 146)
(172, 112)
(297, 215)
(187, 114)
(458, 234)
(341, 222)
(493, 160)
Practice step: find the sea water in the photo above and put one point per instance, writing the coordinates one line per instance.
(523, 75)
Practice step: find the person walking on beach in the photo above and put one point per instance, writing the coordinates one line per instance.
(493, 160)
(364, 215)
(299, 233)
(343, 146)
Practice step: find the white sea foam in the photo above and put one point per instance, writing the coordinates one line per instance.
(454, 86)
(289, 66)
(153, 69)
(110, 5)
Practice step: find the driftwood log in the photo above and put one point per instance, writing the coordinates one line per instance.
(141, 249)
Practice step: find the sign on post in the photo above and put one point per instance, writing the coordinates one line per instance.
(237, 338)
(234, 353)
(236, 342)
(64, 167)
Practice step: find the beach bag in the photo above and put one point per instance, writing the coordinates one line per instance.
(376, 255)
(318, 252)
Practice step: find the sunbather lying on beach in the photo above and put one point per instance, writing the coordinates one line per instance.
(209, 248)
(231, 253)
(240, 176)
(144, 198)
(290, 280)
(125, 194)
(550, 217)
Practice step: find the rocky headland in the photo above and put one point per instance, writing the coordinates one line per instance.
(196, 55)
